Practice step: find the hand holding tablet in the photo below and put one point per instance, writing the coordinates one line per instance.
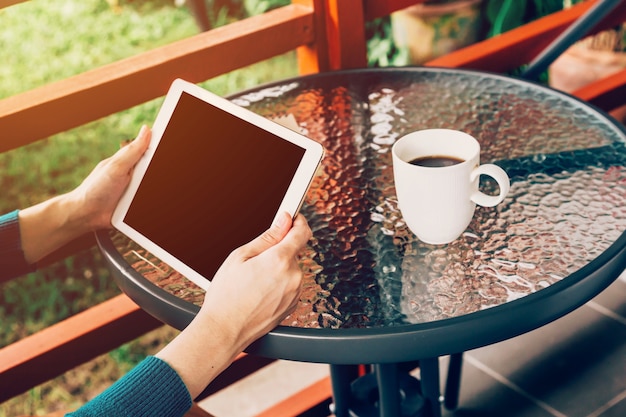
(213, 178)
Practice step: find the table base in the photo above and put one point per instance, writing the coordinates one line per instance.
(366, 397)
(388, 391)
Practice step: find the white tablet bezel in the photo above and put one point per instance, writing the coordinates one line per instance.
(291, 203)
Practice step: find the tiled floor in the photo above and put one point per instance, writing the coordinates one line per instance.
(573, 367)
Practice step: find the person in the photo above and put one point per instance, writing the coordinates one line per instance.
(253, 290)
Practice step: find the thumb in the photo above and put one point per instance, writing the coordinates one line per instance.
(269, 238)
(131, 153)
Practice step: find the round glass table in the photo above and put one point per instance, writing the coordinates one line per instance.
(373, 293)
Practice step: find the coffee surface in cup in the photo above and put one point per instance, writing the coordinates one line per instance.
(435, 161)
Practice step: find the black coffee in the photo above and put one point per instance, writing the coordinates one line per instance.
(435, 161)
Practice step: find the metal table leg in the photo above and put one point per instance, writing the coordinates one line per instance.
(388, 390)
(429, 369)
(453, 381)
(342, 377)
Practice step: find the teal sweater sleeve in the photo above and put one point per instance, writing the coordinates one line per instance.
(12, 261)
(150, 389)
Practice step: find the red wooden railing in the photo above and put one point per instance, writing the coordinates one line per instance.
(328, 35)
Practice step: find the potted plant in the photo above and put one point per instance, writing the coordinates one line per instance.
(436, 27)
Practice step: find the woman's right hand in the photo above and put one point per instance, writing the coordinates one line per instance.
(254, 289)
(260, 282)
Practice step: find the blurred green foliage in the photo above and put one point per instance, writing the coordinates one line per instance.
(48, 40)
(382, 51)
(254, 7)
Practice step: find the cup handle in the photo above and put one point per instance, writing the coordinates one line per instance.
(501, 178)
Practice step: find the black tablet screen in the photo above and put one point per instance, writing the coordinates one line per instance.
(214, 183)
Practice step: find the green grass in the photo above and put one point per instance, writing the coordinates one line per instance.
(44, 41)
(53, 39)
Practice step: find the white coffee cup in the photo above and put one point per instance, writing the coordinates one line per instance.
(438, 203)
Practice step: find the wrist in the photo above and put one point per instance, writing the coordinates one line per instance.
(49, 225)
(200, 353)
(78, 219)
(222, 320)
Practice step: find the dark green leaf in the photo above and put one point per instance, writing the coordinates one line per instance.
(505, 15)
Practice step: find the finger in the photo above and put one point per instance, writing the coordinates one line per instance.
(269, 238)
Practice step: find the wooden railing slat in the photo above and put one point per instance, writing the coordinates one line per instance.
(7, 3)
(62, 346)
(313, 57)
(345, 28)
(607, 93)
(74, 101)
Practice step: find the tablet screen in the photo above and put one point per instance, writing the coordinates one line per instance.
(213, 184)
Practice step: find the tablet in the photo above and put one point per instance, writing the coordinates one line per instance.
(213, 178)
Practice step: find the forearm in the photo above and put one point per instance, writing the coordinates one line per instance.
(201, 352)
(50, 225)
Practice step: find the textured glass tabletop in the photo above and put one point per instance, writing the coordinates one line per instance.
(364, 267)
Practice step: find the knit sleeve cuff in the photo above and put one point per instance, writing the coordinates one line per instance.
(152, 388)
(12, 261)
